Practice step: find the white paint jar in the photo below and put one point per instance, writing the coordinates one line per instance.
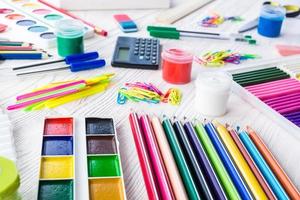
(213, 89)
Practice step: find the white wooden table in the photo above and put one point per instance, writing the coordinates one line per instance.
(28, 126)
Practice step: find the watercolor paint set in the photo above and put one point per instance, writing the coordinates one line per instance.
(80, 160)
(273, 89)
(35, 20)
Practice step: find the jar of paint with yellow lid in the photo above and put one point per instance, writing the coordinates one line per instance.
(69, 33)
(9, 179)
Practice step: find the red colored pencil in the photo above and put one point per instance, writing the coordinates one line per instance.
(97, 30)
(16, 48)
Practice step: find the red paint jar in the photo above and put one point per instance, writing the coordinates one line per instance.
(177, 66)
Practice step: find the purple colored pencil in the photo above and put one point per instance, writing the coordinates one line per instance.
(204, 163)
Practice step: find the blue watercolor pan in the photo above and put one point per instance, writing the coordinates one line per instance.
(58, 145)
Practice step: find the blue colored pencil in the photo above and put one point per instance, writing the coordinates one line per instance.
(263, 167)
(22, 56)
(231, 169)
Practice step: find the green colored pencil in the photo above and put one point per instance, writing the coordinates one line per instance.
(259, 81)
(259, 74)
(258, 71)
(217, 164)
(180, 161)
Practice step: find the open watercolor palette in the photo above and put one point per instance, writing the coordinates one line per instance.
(80, 160)
(253, 98)
(32, 21)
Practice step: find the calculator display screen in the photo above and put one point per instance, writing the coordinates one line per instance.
(123, 54)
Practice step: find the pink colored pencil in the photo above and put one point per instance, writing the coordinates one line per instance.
(283, 98)
(27, 103)
(16, 48)
(160, 172)
(273, 87)
(32, 94)
(285, 102)
(278, 94)
(149, 178)
(290, 108)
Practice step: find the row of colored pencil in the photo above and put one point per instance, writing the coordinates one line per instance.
(274, 87)
(206, 161)
(20, 50)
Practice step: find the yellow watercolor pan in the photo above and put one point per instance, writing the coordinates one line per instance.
(106, 189)
(61, 167)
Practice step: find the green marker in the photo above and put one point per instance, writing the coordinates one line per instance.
(180, 161)
(217, 164)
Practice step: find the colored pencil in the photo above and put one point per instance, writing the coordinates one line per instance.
(211, 177)
(12, 43)
(169, 162)
(279, 83)
(257, 75)
(240, 162)
(229, 165)
(56, 94)
(251, 164)
(216, 162)
(259, 71)
(262, 80)
(289, 187)
(263, 167)
(97, 29)
(198, 176)
(155, 159)
(16, 48)
(149, 177)
(21, 56)
(180, 161)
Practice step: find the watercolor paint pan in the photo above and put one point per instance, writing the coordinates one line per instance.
(57, 164)
(289, 126)
(34, 20)
(99, 161)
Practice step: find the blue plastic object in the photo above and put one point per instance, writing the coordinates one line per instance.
(81, 66)
(81, 57)
(270, 20)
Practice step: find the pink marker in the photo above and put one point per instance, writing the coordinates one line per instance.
(32, 94)
(157, 163)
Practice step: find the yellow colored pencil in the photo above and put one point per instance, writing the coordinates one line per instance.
(240, 162)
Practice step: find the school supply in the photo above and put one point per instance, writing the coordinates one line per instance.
(270, 20)
(212, 93)
(201, 184)
(108, 5)
(23, 55)
(289, 187)
(9, 178)
(220, 58)
(3, 28)
(215, 20)
(95, 152)
(174, 14)
(33, 21)
(76, 63)
(139, 53)
(263, 167)
(126, 24)
(176, 66)
(14, 44)
(174, 33)
(59, 93)
(155, 158)
(220, 148)
(170, 165)
(69, 33)
(147, 92)
(97, 29)
(288, 50)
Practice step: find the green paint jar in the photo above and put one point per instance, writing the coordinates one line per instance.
(69, 33)
(9, 179)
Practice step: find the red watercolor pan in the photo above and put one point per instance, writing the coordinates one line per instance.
(58, 126)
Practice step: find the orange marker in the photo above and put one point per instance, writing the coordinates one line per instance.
(274, 165)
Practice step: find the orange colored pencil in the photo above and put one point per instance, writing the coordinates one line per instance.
(287, 184)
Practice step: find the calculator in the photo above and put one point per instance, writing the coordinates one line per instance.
(139, 53)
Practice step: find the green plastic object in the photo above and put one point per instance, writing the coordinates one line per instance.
(160, 28)
(252, 41)
(216, 162)
(104, 166)
(180, 161)
(165, 34)
(9, 180)
(69, 34)
(56, 190)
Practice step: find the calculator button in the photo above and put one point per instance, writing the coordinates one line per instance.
(141, 57)
(136, 48)
(142, 49)
(142, 45)
(153, 58)
(136, 52)
(153, 53)
(142, 53)
(148, 57)
(148, 53)
(153, 62)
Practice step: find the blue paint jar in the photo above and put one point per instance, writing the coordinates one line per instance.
(270, 20)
